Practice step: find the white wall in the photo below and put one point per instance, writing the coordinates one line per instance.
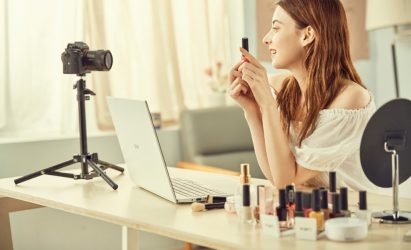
(383, 65)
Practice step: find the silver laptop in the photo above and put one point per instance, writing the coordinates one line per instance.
(143, 156)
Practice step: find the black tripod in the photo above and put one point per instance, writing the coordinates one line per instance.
(85, 159)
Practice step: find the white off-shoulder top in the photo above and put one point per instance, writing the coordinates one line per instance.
(335, 146)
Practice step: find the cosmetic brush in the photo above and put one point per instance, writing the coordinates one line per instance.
(198, 207)
(216, 199)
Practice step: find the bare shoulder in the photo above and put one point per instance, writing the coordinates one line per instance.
(353, 96)
(276, 81)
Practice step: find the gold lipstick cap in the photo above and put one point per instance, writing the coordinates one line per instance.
(245, 173)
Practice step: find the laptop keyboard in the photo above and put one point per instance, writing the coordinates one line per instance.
(190, 188)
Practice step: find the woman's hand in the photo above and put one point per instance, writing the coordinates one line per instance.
(240, 91)
(255, 77)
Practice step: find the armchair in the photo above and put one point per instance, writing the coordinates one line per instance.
(217, 137)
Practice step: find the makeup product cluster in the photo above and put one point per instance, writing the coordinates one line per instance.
(293, 212)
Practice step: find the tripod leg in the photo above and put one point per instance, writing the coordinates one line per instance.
(102, 174)
(109, 165)
(44, 171)
(61, 174)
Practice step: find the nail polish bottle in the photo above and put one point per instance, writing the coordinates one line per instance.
(290, 201)
(336, 211)
(316, 212)
(324, 204)
(246, 212)
(299, 211)
(332, 185)
(344, 202)
(306, 197)
(281, 210)
(363, 213)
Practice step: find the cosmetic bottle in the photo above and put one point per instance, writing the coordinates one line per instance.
(290, 201)
(299, 212)
(246, 212)
(306, 197)
(324, 204)
(256, 209)
(245, 178)
(229, 205)
(344, 202)
(363, 213)
(332, 182)
(316, 212)
(281, 210)
(336, 211)
(265, 194)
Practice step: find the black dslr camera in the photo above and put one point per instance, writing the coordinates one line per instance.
(78, 59)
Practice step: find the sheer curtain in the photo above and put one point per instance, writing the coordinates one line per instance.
(160, 48)
(3, 65)
(163, 50)
(38, 97)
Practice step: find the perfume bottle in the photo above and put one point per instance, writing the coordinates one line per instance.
(344, 202)
(316, 212)
(324, 204)
(336, 211)
(281, 210)
(363, 212)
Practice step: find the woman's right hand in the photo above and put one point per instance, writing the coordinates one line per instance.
(240, 91)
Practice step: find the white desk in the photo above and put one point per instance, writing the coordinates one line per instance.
(137, 209)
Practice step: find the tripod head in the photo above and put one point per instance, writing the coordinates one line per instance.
(81, 83)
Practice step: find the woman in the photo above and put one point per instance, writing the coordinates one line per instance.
(310, 121)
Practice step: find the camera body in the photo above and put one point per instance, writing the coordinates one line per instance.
(78, 59)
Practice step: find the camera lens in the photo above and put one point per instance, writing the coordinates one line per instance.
(99, 60)
(108, 60)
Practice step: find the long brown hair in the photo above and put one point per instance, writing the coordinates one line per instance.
(327, 62)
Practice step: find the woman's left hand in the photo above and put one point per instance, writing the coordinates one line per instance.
(256, 77)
